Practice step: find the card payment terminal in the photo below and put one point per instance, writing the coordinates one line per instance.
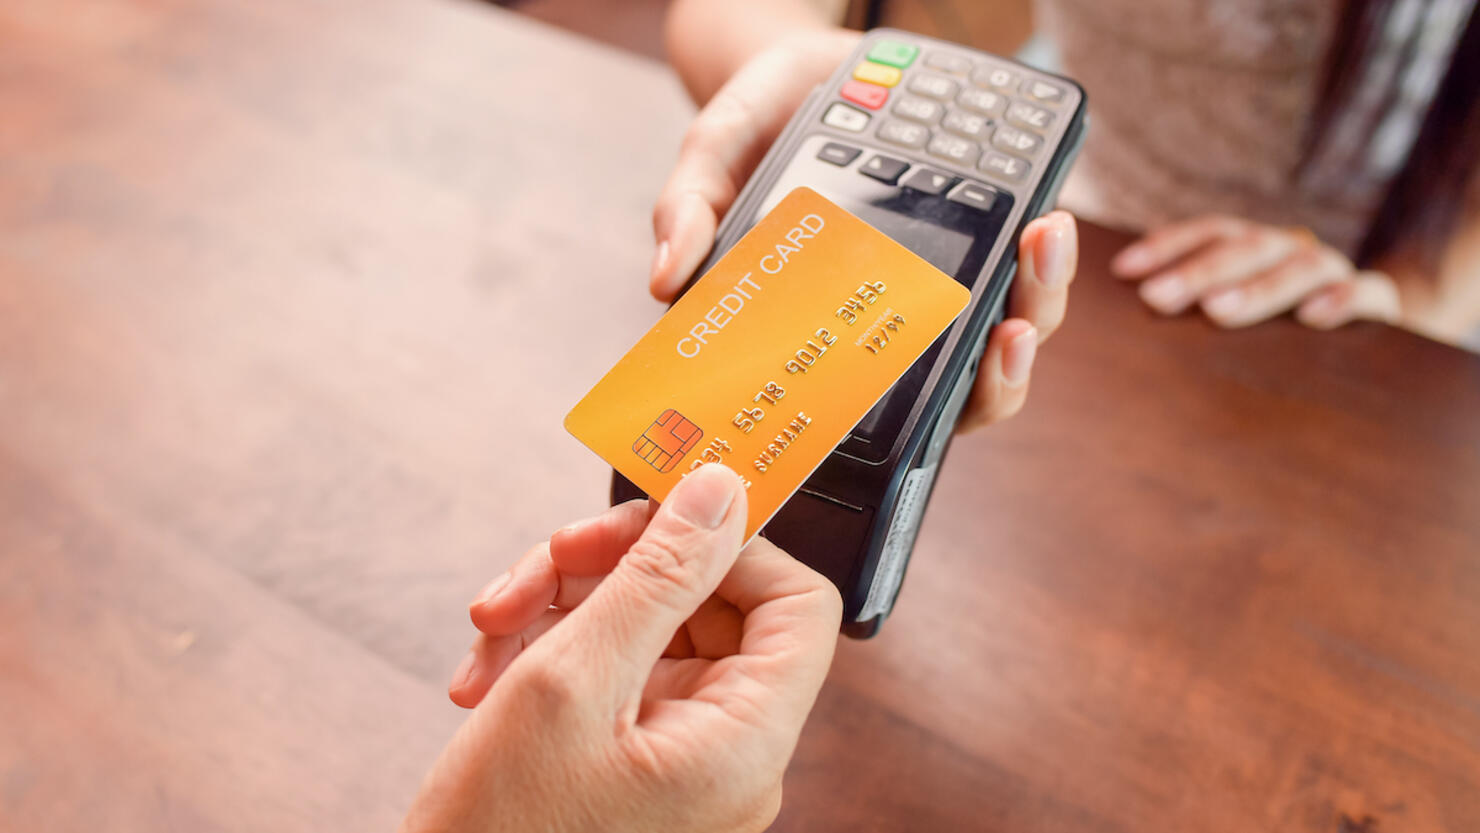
(949, 151)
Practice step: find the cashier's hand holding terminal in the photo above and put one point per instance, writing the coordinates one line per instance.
(725, 143)
(637, 671)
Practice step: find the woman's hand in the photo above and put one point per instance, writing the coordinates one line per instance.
(636, 672)
(727, 140)
(1241, 272)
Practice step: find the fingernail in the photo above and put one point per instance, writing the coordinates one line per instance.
(1320, 311)
(1049, 258)
(574, 526)
(492, 589)
(660, 259)
(464, 670)
(704, 497)
(1166, 293)
(1131, 259)
(1017, 362)
(1224, 304)
(1322, 306)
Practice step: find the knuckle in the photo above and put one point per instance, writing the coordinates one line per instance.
(1384, 288)
(819, 596)
(718, 121)
(1212, 267)
(666, 209)
(543, 686)
(1268, 240)
(662, 560)
(1004, 408)
(829, 600)
(744, 705)
(1253, 236)
(1296, 271)
(992, 400)
(1306, 256)
(649, 764)
(1315, 259)
(1297, 239)
(1341, 294)
(701, 135)
(1048, 320)
(1330, 260)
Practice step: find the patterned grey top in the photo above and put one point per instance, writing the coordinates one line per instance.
(1201, 106)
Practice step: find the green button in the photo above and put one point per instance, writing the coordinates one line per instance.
(893, 53)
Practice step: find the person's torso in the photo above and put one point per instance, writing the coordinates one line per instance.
(1201, 106)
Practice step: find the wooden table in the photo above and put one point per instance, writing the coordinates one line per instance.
(293, 296)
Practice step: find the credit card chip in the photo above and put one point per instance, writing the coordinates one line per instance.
(667, 440)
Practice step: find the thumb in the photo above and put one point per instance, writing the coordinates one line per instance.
(1369, 295)
(621, 630)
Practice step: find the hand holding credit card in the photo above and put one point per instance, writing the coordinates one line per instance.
(771, 357)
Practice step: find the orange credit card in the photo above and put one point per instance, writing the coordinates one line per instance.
(771, 358)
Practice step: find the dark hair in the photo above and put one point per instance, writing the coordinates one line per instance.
(1425, 199)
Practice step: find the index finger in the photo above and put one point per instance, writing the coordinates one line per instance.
(724, 144)
(593, 547)
(792, 614)
(1170, 242)
(561, 572)
(722, 147)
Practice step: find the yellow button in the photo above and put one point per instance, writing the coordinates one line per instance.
(877, 74)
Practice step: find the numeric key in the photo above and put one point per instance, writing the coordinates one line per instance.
(918, 109)
(1003, 167)
(934, 86)
(996, 78)
(982, 101)
(1020, 142)
(904, 133)
(967, 124)
(955, 149)
(1026, 115)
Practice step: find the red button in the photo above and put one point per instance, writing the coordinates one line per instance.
(871, 96)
